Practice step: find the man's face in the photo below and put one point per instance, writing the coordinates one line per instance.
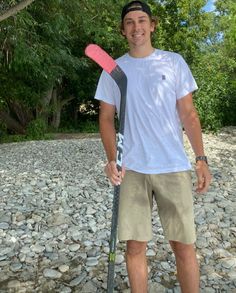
(137, 28)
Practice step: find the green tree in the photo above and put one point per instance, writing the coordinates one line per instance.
(43, 66)
(45, 76)
(215, 69)
(36, 64)
(226, 27)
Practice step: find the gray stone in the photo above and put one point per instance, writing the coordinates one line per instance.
(229, 263)
(63, 268)
(78, 280)
(4, 226)
(155, 287)
(119, 259)
(165, 266)
(52, 274)
(92, 261)
(15, 267)
(58, 219)
(201, 242)
(150, 252)
(5, 250)
(89, 287)
(37, 248)
(14, 285)
(232, 275)
(92, 252)
(65, 289)
(74, 247)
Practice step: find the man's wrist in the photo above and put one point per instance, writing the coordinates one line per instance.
(201, 158)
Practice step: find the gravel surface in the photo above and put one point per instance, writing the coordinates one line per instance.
(55, 214)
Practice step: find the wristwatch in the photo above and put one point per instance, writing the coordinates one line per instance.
(201, 158)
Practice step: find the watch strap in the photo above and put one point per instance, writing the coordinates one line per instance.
(201, 158)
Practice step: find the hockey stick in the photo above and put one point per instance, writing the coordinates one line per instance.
(110, 66)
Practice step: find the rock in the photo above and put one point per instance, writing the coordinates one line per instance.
(14, 285)
(63, 268)
(74, 247)
(58, 219)
(78, 280)
(229, 263)
(4, 226)
(5, 250)
(37, 248)
(92, 261)
(154, 288)
(65, 289)
(165, 266)
(52, 274)
(201, 242)
(15, 267)
(89, 287)
(150, 252)
(119, 259)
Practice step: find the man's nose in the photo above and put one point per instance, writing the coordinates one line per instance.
(136, 26)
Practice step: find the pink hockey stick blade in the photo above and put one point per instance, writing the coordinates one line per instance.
(100, 57)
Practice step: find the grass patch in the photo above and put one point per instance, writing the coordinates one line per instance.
(21, 138)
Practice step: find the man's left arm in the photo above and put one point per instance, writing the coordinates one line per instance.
(191, 123)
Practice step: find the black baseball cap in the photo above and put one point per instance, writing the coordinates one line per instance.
(135, 5)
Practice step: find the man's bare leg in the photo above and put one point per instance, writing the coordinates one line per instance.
(137, 266)
(187, 266)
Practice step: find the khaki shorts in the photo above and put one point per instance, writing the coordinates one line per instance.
(173, 195)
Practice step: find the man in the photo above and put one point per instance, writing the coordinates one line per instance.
(159, 102)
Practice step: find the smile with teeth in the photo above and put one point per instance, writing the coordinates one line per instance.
(137, 35)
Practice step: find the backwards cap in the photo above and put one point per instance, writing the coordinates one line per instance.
(135, 5)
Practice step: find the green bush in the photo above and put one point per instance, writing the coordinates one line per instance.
(36, 129)
(88, 126)
(3, 131)
(212, 97)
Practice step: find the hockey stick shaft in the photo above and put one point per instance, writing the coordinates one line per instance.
(116, 196)
(109, 65)
(122, 83)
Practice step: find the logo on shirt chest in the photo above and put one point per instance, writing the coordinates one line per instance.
(163, 77)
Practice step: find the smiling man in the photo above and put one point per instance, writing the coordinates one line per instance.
(159, 102)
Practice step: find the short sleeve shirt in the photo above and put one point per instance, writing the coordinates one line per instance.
(153, 140)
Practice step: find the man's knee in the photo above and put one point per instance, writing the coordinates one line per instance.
(135, 248)
(183, 251)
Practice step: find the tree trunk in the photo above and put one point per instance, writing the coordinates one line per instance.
(11, 123)
(56, 113)
(15, 9)
(56, 119)
(58, 104)
(43, 110)
(23, 114)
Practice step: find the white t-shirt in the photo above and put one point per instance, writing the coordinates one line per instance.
(153, 139)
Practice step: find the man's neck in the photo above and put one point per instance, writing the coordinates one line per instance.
(141, 52)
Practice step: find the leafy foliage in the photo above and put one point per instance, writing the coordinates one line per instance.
(45, 76)
(36, 129)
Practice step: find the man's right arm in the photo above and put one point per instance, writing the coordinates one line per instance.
(108, 136)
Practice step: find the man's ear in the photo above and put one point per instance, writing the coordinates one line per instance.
(123, 33)
(154, 23)
(122, 30)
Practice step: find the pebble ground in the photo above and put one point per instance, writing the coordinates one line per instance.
(55, 213)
